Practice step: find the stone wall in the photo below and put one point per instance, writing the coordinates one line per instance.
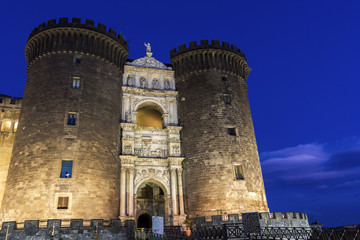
(275, 219)
(9, 116)
(73, 230)
(218, 132)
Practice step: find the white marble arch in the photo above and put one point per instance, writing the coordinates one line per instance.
(145, 102)
(155, 180)
(155, 104)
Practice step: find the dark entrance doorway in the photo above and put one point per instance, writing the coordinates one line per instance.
(144, 221)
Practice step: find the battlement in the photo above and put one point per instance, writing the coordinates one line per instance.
(204, 44)
(76, 23)
(69, 229)
(10, 102)
(195, 58)
(275, 219)
(76, 37)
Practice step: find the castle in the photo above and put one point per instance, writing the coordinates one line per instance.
(103, 136)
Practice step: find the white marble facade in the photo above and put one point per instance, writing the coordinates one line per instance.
(150, 154)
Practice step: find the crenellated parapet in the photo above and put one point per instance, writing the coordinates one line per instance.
(209, 56)
(275, 219)
(68, 229)
(75, 36)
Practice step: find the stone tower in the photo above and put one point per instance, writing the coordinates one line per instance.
(222, 170)
(65, 158)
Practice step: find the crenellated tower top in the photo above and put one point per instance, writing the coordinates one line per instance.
(209, 56)
(75, 36)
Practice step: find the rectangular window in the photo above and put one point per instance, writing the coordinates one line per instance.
(15, 126)
(6, 126)
(227, 99)
(239, 172)
(63, 203)
(76, 82)
(231, 131)
(13, 101)
(224, 78)
(0, 100)
(71, 119)
(66, 169)
(77, 60)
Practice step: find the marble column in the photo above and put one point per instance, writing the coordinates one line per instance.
(173, 192)
(131, 192)
(181, 196)
(122, 191)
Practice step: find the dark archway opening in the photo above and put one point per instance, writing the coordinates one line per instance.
(144, 221)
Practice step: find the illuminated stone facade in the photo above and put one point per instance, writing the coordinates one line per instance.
(151, 150)
(103, 137)
(9, 117)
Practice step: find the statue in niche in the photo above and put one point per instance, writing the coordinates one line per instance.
(128, 117)
(176, 150)
(143, 83)
(167, 85)
(155, 84)
(129, 80)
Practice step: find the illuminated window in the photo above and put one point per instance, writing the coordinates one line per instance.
(63, 203)
(239, 175)
(15, 126)
(5, 126)
(66, 169)
(13, 101)
(231, 131)
(76, 82)
(71, 119)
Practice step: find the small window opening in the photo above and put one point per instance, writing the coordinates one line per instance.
(78, 60)
(71, 119)
(224, 78)
(63, 203)
(0, 100)
(6, 126)
(66, 169)
(227, 99)
(76, 82)
(231, 131)
(13, 101)
(239, 172)
(15, 126)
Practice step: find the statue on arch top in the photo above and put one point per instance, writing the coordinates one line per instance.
(148, 49)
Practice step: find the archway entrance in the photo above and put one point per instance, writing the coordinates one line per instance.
(150, 201)
(144, 221)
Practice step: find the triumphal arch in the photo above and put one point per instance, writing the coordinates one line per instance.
(151, 162)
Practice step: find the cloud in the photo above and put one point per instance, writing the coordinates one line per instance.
(311, 162)
(294, 162)
(344, 160)
(322, 180)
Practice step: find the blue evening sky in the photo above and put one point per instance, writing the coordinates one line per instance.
(303, 88)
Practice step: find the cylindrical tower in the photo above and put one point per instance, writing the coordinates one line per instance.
(65, 157)
(222, 168)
